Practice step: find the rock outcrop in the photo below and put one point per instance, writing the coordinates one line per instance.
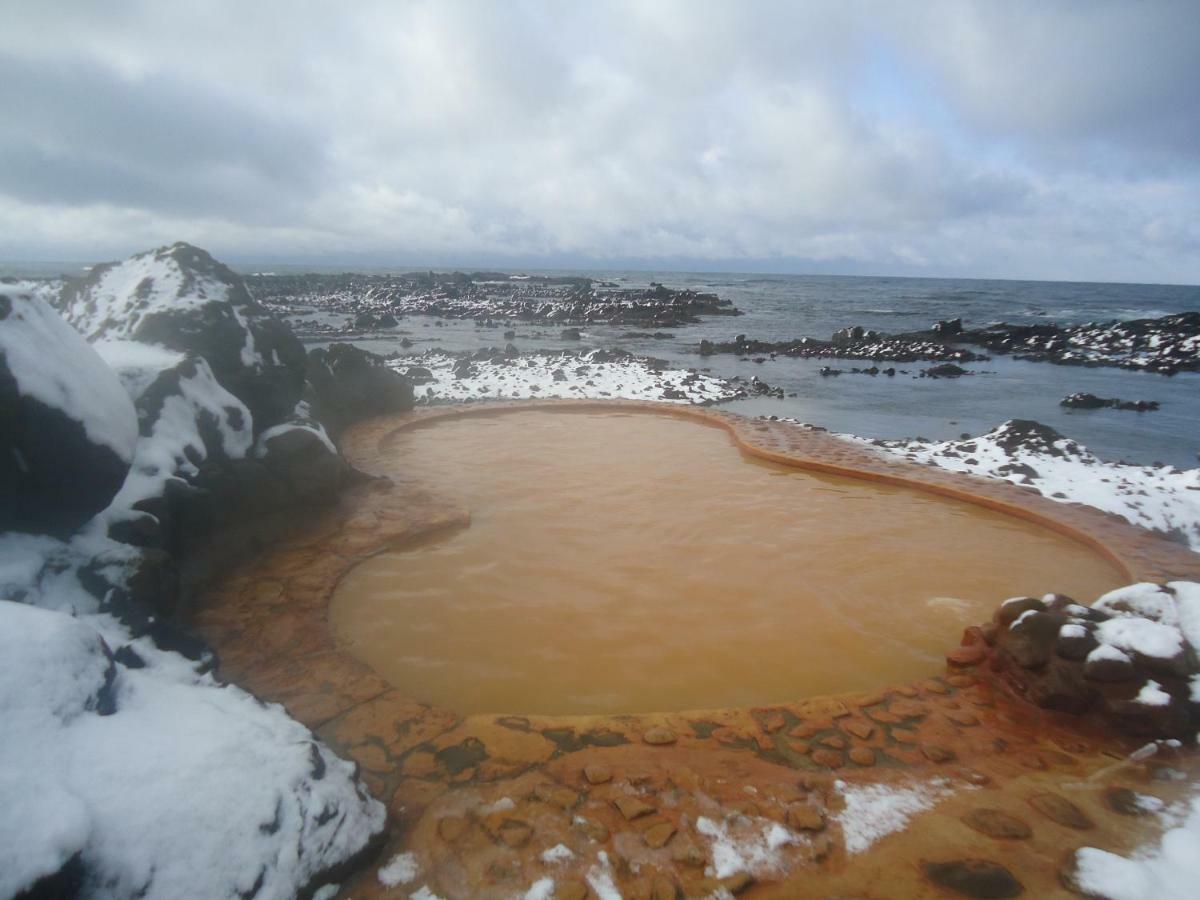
(346, 384)
(67, 428)
(180, 298)
(1129, 658)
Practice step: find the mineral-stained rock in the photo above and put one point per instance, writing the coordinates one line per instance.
(632, 808)
(938, 754)
(597, 773)
(828, 758)
(451, 828)
(656, 836)
(998, 824)
(805, 817)
(862, 756)
(964, 657)
(659, 736)
(974, 878)
(1061, 810)
(571, 890)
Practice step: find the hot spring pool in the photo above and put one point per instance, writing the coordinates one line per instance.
(625, 562)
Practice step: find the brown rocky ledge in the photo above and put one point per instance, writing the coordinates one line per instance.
(479, 799)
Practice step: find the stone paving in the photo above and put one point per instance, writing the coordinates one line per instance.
(634, 800)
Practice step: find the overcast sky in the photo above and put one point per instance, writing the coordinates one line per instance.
(1012, 139)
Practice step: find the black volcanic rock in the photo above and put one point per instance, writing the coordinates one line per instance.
(181, 298)
(347, 384)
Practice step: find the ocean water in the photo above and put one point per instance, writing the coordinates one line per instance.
(779, 307)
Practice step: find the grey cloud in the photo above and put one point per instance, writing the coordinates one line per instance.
(1021, 139)
(81, 133)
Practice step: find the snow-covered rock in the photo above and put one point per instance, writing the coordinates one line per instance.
(181, 298)
(136, 775)
(184, 416)
(591, 375)
(67, 428)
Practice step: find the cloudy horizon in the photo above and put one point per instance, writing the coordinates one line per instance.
(1045, 140)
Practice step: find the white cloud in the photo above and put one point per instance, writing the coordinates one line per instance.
(1047, 139)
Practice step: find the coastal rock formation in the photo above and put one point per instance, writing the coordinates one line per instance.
(346, 384)
(1166, 345)
(67, 429)
(849, 343)
(181, 298)
(1091, 401)
(370, 302)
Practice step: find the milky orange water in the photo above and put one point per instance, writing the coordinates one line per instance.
(630, 562)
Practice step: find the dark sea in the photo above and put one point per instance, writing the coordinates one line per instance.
(779, 307)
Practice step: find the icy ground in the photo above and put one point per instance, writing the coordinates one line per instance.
(1160, 498)
(597, 375)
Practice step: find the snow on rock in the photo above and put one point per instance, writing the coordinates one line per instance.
(185, 417)
(67, 428)
(556, 854)
(1144, 599)
(1161, 498)
(873, 811)
(181, 298)
(598, 374)
(1141, 637)
(542, 889)
(1168, 871)
(1152, 694)
(161, 782)
(746, 844)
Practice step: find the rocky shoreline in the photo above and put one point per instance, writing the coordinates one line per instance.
(375, 302)
(1166, 345)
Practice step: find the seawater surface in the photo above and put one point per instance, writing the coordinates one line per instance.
(631, 562)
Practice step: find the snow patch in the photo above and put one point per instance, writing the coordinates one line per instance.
(1168, 871)
(558, 853)
(746, 844)
(873, 811)
(401, 869)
